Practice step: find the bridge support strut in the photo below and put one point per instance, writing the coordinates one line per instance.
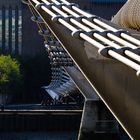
(97, 122)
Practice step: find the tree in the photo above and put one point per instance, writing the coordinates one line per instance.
(10, 77)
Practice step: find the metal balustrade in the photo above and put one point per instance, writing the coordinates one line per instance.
(61, 82)
(86, 33)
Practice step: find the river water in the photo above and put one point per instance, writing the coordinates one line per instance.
(38, 136)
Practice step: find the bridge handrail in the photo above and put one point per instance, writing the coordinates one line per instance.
(87, 34)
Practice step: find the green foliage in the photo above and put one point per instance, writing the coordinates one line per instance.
(10, 77)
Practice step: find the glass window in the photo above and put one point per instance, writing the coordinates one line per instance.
(8, 33)
(20, 31)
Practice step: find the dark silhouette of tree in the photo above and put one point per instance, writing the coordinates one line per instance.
(10, 77)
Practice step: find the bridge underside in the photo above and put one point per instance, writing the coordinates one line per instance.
(115, 83)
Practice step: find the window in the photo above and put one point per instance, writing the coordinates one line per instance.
(11, 30)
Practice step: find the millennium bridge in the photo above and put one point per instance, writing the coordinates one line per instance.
(93, 55)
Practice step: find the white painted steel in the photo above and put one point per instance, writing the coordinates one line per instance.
(101, 23)
(48, 11)
(112, 53)
(125, 36)
(92, 25)
(130, 38)
(105, 26)
(90, 40)
(78, 24)
(35, 1)
(70, 27)
(44, 8)
(117, 39)
(69, 11)
(95, 43)
(77, 9)
(121, 41)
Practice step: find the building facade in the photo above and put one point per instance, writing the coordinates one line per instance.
(18, 34)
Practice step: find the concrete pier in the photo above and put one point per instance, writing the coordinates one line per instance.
(39, 124)
(39, 120)
(97, 122)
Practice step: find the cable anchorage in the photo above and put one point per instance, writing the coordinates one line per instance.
(52, 43)
(25, 2)
(67, 19)
(44, 32)
(38, 6)
(48, 6)
(70, 5)
(120, 31)
(37, 19)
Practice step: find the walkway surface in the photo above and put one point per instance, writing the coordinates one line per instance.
(40, 107)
